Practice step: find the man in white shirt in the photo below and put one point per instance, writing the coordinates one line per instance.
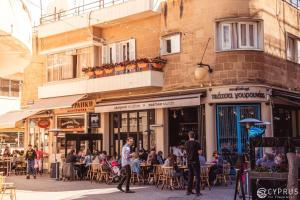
(126, 156)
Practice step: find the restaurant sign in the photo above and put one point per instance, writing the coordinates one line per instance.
(237, 94)
(167, 102)
(79, 107)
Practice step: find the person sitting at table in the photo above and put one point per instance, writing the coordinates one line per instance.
(71, 157)
(202, 159)
(266, 161)
(88, 159)
(103, 156)
(216, 168)
(135, 164)
(143, 156)
(160, 157)
(6, 152)
(171, 162)
(152, 158)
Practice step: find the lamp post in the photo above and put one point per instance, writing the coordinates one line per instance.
(56, 132)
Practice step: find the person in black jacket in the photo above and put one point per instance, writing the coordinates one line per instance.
(30, 157)
(192, 149)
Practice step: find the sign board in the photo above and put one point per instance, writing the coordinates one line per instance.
(170, 102)
(237, 94)
(78, 107)
(43, 123)
(94, 120)
(71, 123)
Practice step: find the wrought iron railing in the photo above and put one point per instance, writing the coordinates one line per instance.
(76, 11)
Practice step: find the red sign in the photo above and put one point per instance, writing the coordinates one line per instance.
(43, 123)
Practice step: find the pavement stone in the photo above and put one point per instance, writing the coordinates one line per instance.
(44, 188)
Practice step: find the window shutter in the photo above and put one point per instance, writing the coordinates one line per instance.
(175, 43)
(114, 52)
(132, 49)
(163, 46)
(105, 55)
(226, 36)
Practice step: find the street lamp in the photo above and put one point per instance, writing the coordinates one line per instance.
(56, 132)
(201, 72)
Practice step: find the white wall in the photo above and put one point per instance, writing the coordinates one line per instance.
(9, 104)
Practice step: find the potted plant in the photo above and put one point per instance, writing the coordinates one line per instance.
(99, 71)
(158, 63)
(131, 66)
(143, 64)
(89, 71)
(108, 69)
(120, 68)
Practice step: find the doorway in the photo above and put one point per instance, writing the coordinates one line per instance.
(230, 133)
(134, 124)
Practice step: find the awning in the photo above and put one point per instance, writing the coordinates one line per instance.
(9, 120)
(285, 97)
(56, 102)
(150, 103)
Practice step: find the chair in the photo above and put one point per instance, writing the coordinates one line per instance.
(204, 177)
(169, 179)
(103, 175)
(160, 176)
(225, 175)
(135, 177)
(94, 172)
(68, 172)
(7, 189)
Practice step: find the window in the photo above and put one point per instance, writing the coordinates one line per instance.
(9, 88)
(293, 48)
(118, 52)
(170, 44)
(239, 35)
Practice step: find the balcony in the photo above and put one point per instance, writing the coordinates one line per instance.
(98, 13)
(136, 80)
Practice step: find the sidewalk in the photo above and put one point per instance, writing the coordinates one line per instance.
(44, 188)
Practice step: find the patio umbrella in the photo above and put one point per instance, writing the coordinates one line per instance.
(250, 120)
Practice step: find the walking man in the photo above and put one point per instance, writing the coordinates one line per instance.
(30, 156)
(126, 166)
(192, 148)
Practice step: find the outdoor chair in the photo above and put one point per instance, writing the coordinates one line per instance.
(204, 177)
(170, 181)
(7, 189)
(103, 175)
(135, 178)
(68, 172)
(94, 172)
(225, 175)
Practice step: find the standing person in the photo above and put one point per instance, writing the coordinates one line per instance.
(30, 156)
(126, 166)
(39, 159)
(192, 148)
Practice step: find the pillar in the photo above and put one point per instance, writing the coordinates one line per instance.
(161, 131)
(266, 115)
(105, 130)
(211, 135)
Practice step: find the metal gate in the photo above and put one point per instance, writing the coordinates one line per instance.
(230, 133)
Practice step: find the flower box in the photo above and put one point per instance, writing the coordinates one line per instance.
(131, 67)
(143, 66)
(99, 72)
(157, 65)
(109, 71)
(119, 69)
(90, 74)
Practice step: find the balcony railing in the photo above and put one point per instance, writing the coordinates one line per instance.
(295, 3)
(76, 11)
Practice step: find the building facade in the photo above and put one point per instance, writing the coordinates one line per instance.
(99, 79)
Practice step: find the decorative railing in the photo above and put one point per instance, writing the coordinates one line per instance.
(76, 11)
(125, 67)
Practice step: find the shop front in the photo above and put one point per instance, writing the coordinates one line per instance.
(148, 119)
(231, 105)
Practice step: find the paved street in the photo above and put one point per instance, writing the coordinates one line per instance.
(44, 188)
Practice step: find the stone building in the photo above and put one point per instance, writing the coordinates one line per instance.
(252, 49)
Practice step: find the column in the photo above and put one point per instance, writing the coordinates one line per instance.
(162, 141)
(211, 135)
(266, 115)
(105, 130)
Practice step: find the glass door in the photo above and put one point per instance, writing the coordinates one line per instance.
(231, 134)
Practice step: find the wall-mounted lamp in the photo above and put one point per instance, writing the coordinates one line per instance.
(201, 72)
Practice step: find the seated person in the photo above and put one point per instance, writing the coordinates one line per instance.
(71, 157)
(135, 164)
(202, 159)
(216, 169)
(88, 159)
(266, 161)
(160, 157)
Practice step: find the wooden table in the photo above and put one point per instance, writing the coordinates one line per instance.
(144, 169)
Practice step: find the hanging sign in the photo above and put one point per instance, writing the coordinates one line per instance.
(94, 120)
(43, 123)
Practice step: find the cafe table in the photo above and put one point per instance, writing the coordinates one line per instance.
(80, 169)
